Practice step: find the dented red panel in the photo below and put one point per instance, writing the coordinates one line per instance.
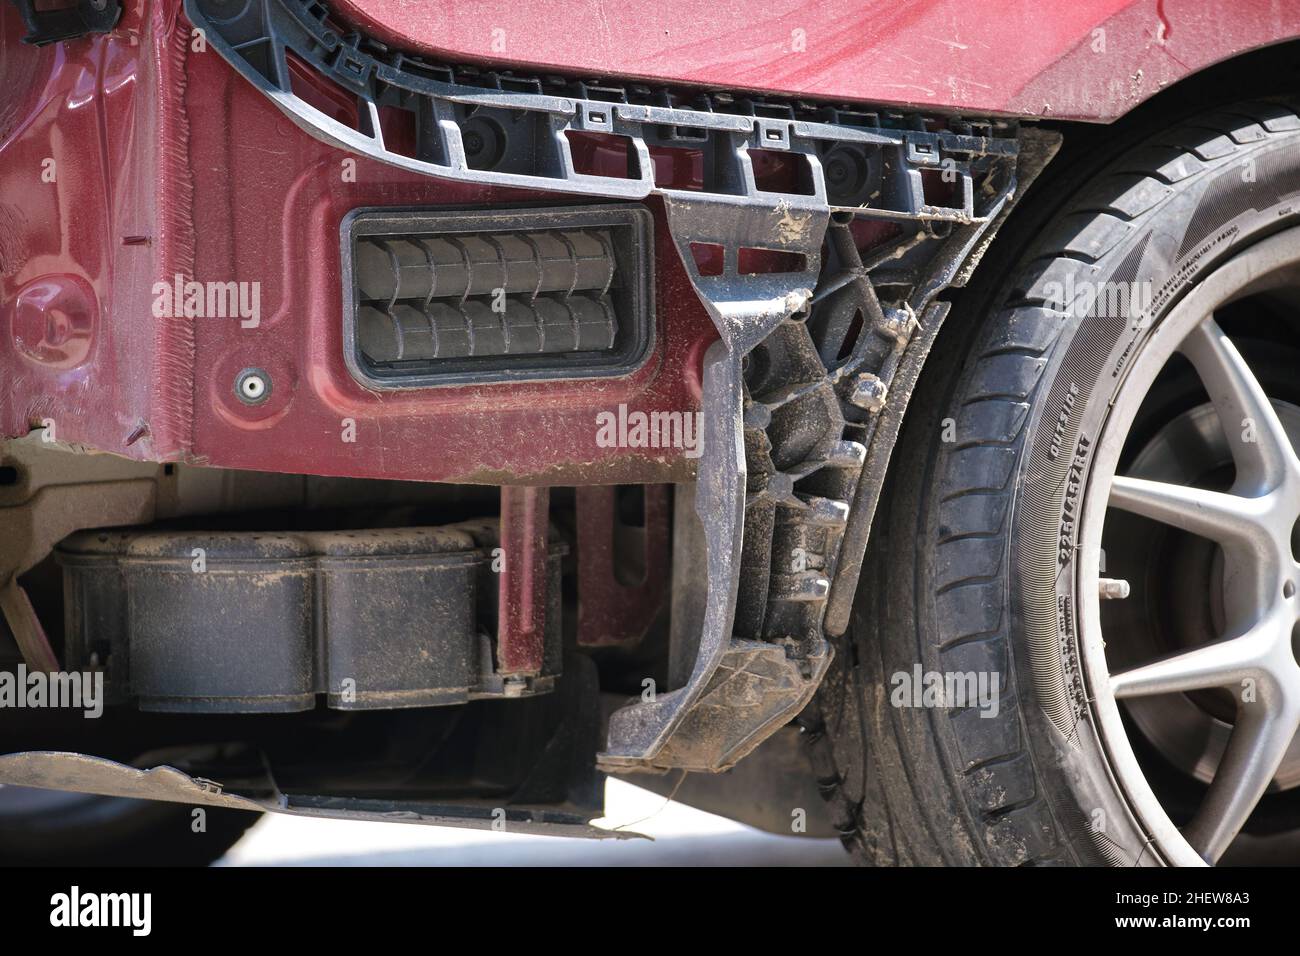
(226, 189)
(79, 175)
(1023, 57)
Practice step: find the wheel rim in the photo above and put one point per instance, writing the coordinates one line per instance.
(1251, 523)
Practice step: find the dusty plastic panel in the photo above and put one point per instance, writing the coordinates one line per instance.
(256, 622)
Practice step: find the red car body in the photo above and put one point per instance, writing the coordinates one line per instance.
(169, 164)
(1093, 60)
(748, 224)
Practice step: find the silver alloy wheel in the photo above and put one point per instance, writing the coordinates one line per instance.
(1189, 731)
(1252, 523)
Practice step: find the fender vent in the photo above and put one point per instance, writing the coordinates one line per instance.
(444, 298)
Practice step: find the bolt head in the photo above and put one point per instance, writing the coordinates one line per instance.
(253, 386)
(869, 392)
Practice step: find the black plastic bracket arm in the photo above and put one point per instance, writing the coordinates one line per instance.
(67, 23)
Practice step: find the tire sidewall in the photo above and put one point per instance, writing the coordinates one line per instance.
(1167, 252)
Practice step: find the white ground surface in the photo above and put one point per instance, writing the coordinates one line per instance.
(683, 836)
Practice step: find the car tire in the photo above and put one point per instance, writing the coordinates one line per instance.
(970, 567)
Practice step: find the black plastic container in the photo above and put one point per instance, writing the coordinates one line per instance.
(253, 622)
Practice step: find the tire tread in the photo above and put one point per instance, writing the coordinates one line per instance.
(995, 807)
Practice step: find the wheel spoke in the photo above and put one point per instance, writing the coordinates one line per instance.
(1212, 514)
(1260, 447)
(1258, 744)
(1211, 665)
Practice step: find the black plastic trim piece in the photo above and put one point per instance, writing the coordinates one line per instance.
(511, 130)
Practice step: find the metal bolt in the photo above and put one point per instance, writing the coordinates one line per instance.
(758, 416)
(826, 512)
(253, 386)
(780, 486)
(514, 686)
(847, 454)
(809, 586)
(869, 392)
(797, 301)
(900, 324)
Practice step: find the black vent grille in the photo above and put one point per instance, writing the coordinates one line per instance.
(449, 297)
